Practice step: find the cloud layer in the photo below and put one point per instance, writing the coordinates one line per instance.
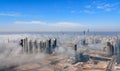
(41, 26)
(45, 26)
(9, 14)
(30, 22)
(100, 6)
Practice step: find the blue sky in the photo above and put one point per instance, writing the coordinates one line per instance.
(59, 15)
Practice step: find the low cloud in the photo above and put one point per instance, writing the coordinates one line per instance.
(88, 6)
(48, 26)
(107, 7)
(66, 24)
(31, 26)
(89, 12)
(9, 14)
(30, 22)
(56, 24)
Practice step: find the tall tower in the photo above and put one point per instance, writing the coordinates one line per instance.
(41, 46)
(54, 44)
(76, 54)
(35, 46)
(21, 42)
(109, 49)
(30, 46)
(84, 39)
(75, 47)
(38, 46)
(44, 45)
(84, 32)
(88, 32)
(25, 45)
(48, 46)
(118, 49)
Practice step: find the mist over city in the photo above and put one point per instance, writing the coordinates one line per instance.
(59, 35)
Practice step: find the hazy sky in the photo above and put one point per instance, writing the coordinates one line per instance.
(59, 15)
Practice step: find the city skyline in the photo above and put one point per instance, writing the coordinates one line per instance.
(59, 15)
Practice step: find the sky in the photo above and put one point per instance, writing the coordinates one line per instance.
(59, 15)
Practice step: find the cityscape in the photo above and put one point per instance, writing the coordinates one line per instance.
(59, 35)
(60, 52)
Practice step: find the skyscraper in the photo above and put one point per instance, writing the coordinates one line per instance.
(30, 46)
(48, 46)
(25, 45)
(76, 54)
(21, 42)
(118, 49)
(54, 43)
(110, 49)
(35, 46)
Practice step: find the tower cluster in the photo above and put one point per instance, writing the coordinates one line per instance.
(36, 46)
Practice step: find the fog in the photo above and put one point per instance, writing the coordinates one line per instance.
(11, 55)
(11, 52)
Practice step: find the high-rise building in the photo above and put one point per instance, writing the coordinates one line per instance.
(75, 47)
(48, 46)
(35, 46)
(84, 41)
(77, 58)
(38, 46)
(109, 49)
(25, 45)
(115, 49)
(54, 44)
(44, 44)
(118, 49)
(21, 42)
(30, 46)
(41, 46)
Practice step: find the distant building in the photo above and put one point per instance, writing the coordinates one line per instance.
(84, 41)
